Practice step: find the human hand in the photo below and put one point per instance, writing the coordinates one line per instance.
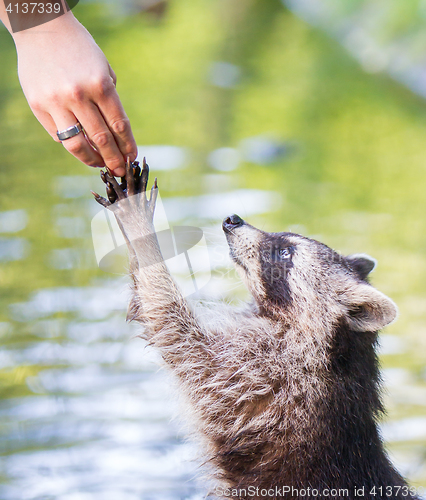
(67, 79)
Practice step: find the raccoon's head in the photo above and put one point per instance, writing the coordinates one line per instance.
(290, 274)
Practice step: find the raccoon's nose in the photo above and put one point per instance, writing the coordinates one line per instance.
(232, 222)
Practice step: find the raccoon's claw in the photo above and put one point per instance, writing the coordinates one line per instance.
(112, 183)
(144, 176)
(112, 195)
(130, 178)
(134, 182)
(137, 176)
(103, 177)
(101, 200)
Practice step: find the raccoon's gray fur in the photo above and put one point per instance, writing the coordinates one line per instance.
(286, 392)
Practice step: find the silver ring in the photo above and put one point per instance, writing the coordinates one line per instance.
(63, 135)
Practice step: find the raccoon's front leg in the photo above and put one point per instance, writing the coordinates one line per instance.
(220, 381)
(157, 302)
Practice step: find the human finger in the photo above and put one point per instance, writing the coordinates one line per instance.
(115, 117)
(101, 137)
(78, 145)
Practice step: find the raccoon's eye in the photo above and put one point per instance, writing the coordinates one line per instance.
(285, 253)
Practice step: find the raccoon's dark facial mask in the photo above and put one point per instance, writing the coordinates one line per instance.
(276, 253)
(262, 259)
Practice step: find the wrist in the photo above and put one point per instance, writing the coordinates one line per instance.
(47, 31)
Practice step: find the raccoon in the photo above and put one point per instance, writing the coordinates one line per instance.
(285, 393)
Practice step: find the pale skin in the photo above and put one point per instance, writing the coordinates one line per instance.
(66, 79)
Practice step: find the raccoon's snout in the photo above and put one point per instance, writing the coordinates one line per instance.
(232, 222)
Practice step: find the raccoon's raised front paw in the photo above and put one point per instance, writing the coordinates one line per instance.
(130, 194)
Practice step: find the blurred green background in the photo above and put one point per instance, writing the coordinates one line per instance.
(319, 102)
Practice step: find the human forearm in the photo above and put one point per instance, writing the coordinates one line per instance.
(21, 16)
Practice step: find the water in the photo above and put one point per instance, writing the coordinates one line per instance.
(299, 139)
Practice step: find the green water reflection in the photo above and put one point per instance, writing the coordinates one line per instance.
(346, 154)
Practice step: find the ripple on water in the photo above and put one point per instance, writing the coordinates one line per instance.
(216, 206)
(74, 186)
(136, 397)
(408, 429)
(86, 379)
(106, 471)
(13, 221)
(12, 249)
(164, 157)
(115, 328)
(51, 353)
(391, 344)
(71, 258)
(90, 302)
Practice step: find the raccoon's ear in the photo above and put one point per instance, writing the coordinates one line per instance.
(368, 309)
(362, 264)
